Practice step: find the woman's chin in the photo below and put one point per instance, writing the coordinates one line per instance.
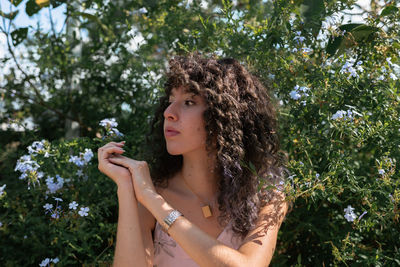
(174, 152)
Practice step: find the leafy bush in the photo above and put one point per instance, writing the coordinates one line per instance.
(338, 105)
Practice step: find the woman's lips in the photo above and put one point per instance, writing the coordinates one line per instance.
(171, 133)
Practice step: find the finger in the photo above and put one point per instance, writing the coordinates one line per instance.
(113, 144)
(117, 159)
(110, 150)
(117, 143)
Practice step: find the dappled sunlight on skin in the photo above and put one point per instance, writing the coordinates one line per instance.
(272, 215)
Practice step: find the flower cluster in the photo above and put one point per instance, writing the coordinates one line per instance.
(81, 160)
(29, 169)
(47, 261)
(39, 147)
(348, 68)
(110, 127)
(298, 38)
(298, 92)
(57, 211)
(83, 210)
(392, 67)
(54, 186)
(345, 115)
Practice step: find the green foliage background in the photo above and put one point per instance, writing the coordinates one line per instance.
(334, 162)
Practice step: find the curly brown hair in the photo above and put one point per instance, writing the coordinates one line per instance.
(241, 118)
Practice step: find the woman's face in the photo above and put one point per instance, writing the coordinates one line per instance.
(185, 115)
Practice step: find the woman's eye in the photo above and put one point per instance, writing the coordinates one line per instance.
(189, 102)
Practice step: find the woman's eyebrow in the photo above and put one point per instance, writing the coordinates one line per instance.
(185, 93)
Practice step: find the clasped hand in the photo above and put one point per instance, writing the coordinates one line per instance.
(125, 171)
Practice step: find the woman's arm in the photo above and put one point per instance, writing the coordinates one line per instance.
(130, 246)
(257, 248)
(129, 250)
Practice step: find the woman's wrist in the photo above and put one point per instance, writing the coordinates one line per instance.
(125, 188)
(157, 205)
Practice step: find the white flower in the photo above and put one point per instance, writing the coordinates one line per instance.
(2, 189)
(77, 161)
(115, 132)
(348, 68)
(73, 205)
(57, 199)
(26, 165)
(48, 206)
(37, 146)
(294, 95)
(350, 216)
(52, 186)
(298, 38)
(1, 224)
(55, 215)
(393, 77)
(45, 262)
(365, 212)
(380, 78)
(349, 209)
(87, 155)
(306, 50)
(381, 171)
(108, 123)
(338, 115)
(83, 211)
(79, 173)
(143, 10)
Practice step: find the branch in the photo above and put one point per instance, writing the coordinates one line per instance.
(51, 22)
(41, 101)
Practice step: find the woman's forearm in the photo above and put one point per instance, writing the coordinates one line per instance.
(202, 248)
(129, 249)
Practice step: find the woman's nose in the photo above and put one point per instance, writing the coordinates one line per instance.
(170, 113)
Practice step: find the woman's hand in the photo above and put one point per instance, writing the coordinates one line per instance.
(140, 175)
(119, 174)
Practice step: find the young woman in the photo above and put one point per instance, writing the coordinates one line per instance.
(208, 199)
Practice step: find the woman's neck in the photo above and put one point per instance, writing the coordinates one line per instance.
(197, 177)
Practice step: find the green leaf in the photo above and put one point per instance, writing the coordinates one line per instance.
(95, 19)
(364, 32)
(31, 7)
(359, 33)
(19, 35)
(389, 10)
(312, 12)
(10, 16)
(15, 2)
(56, 3)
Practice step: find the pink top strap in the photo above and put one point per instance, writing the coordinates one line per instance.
(168, 253)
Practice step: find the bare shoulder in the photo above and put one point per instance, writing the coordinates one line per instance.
(259, 244)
